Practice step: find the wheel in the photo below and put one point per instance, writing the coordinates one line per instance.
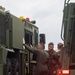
(15, 66)
(8, 67)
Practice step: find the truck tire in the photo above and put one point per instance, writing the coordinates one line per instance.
(8, 67)
(15, 66)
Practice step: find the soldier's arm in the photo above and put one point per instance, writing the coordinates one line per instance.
(29, 48)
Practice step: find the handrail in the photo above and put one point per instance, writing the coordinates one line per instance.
(65, 3)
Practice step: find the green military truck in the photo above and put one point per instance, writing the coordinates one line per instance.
(14, 59)
(67, 57)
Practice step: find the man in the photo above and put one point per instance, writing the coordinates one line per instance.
(41, 59)
(52, 61)
(59, 53)
(59, 47)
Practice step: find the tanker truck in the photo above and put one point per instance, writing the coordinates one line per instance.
(67, 57)
(14, 59)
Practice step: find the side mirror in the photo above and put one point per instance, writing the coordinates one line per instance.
(42, 38)
(34, 22)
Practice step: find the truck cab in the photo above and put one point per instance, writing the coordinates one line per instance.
(14, 59)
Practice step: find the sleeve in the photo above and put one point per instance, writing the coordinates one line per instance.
(29, 48)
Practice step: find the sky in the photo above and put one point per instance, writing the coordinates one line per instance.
(47, 13)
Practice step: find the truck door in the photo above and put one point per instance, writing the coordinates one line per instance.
(28, 55)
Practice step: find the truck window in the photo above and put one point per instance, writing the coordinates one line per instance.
(36, 37)
(28, 37)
